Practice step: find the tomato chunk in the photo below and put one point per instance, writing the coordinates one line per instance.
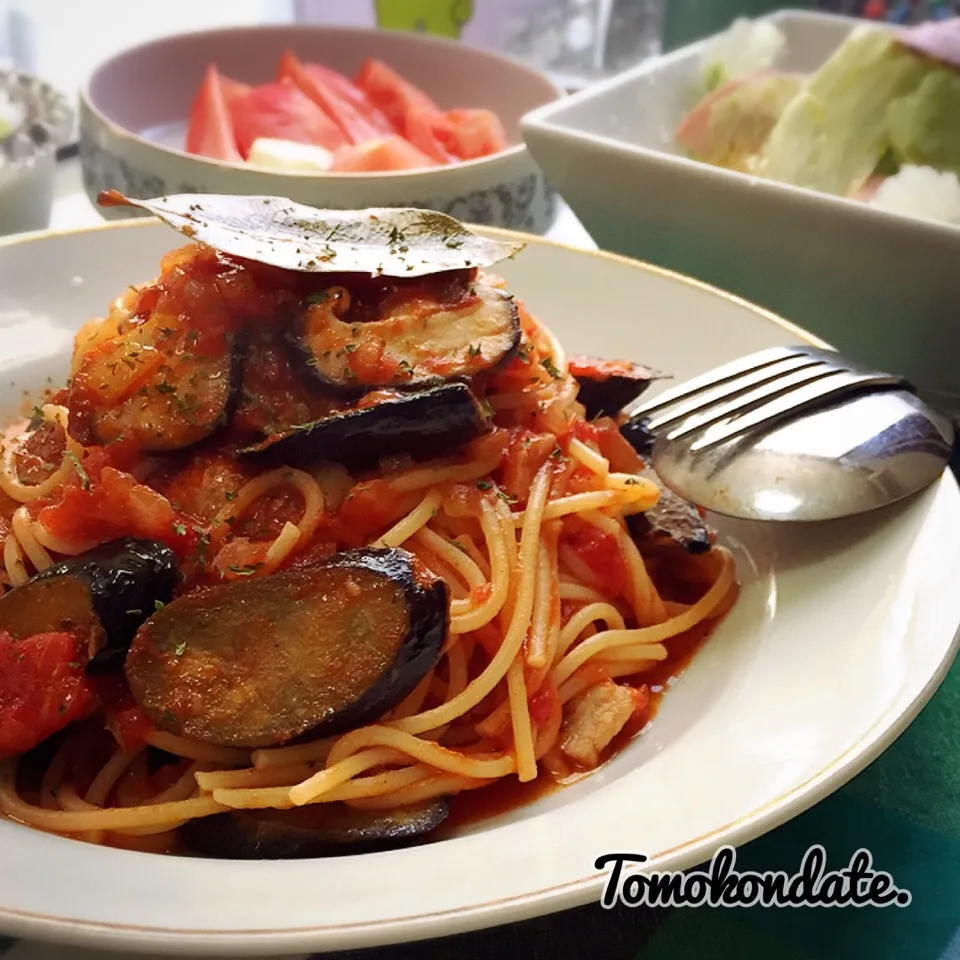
(408, 108)
(473, 133)
(391, 153)
(210, 131)
(129, 725)
(600, 551)
(42, 688)
(526, 454)
(233, 89)
(355, 126)
(347, 90)
(114, 506)
(544, 703)
(281, 111)
(369, 507)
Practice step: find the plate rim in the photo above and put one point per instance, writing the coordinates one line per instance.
(170, 940)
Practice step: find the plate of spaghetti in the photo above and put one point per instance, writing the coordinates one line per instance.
(341, 606)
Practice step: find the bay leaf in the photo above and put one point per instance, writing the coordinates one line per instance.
(390, 241)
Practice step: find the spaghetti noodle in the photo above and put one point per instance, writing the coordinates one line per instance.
(553, 593)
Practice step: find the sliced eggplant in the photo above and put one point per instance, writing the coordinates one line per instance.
(671, 517)
(636, 431)
(52, 606)
(607, 386)
(256, 663)
(102, 596)
(425, 423)
(162, 382)
(415, 343)
(317, 830)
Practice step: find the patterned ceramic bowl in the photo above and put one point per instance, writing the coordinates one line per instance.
(34, 121)
(134, 108)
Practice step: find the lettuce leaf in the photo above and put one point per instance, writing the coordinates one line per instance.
(833, 136)
(924, 125)
(729, 127)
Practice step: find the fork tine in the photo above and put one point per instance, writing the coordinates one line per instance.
(794, 401)
(743, 403)
(731, 388)
(729, 371)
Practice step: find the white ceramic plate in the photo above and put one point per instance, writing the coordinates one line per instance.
(841, 634)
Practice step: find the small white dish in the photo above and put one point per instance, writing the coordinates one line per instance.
(880, 286)
(35, 120)
(134, 109)
(841, 633)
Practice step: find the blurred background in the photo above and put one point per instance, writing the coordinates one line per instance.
(574, 42)
(577, 41)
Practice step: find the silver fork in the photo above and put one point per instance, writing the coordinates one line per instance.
(756, 392)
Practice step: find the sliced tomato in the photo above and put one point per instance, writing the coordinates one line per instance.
(342, 112)
(113, 506)
(233, 89)
(526, 454)
(347, 90)
(370, 507)
(43, 688)
(473, 133)
(282, 112)
(210, 131)
(408, 108)
(317, 552)
(130, 726)
(390, 93)
(391, 153)
(600, 551)
(605, 433)
(428, 132)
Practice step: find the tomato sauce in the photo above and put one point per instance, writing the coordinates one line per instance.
(475, 806)
(40, 454)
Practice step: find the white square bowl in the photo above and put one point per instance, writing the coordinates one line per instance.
(882, 287)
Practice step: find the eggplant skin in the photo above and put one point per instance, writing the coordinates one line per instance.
(125, 580)
(671, 517)
(607, 386)
(313, 831)
(428, 612)
(421, 424)
(636, 431)
(307, 652)
(455, 343)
